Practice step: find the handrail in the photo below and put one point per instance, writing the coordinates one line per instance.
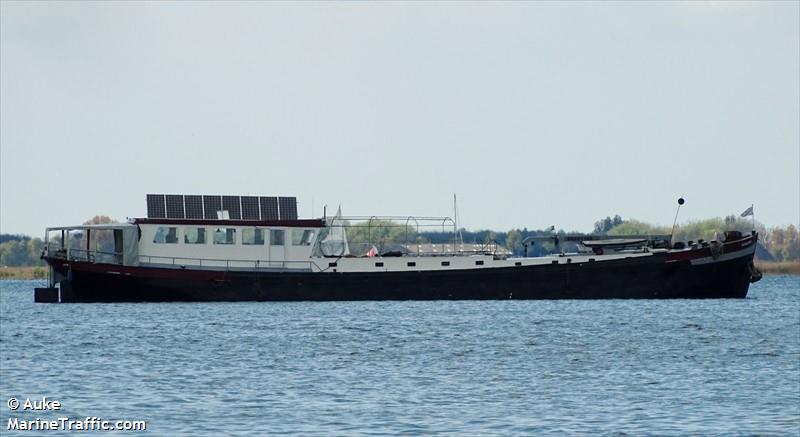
(228, 263)
(89, 255)
(389, 217)
(93, 256)
(399, 221)
(409, 225)
(405, 238)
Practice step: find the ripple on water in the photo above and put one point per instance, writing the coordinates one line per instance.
(504, 367)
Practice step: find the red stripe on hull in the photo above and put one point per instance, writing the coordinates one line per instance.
(703, 252)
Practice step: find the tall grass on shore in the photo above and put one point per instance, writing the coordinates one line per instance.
(779, 267)
(23, 273)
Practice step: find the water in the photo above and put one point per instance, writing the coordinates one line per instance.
(505, 367)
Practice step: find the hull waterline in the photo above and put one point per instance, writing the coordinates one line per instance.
(652, 277)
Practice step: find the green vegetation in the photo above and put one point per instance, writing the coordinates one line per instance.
(381, 232)
(603, 226)
(781, 245)
(24, 251)
(776, 243)
(20, 250)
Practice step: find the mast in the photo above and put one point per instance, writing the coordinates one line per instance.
(456, 231)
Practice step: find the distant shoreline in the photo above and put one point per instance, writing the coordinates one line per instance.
(779, 267)
(17, 273)
(40, 272)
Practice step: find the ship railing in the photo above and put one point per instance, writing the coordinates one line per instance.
(404, 236)
(363, 232)
(226, 264)
(92, 256)
(426, 249)
(54, 250)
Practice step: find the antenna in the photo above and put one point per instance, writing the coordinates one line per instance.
(457, 235)
(674, 222)
(455, 210)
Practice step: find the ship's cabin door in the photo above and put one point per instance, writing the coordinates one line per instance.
(277, 248)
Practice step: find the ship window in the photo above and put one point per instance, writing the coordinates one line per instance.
(194, 236)
(478, 263)
(445, 263)
(166, 235)
(225, 236)
(302, 237)
(253, 236)
(378, 264)
(411, 264)
(276, 237)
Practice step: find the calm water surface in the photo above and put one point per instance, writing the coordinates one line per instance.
(341, 368)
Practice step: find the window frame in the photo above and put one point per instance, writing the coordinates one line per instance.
(165, 235)
(198, 234)
(303, 232)
(273, 241)
(255, 240)
(225, 242)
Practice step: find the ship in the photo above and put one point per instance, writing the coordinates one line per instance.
(200, 248)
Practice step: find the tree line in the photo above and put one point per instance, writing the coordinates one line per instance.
(23, 251)
(775, 243)
(780, 243)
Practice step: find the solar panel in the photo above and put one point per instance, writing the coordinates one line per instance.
(155, 206)
(288, 208)
(269, 208)
(250, 208)
(194, 206)
(233, 205)
(175, 206)
(212, 204)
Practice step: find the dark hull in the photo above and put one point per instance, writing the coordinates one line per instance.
(652, 277)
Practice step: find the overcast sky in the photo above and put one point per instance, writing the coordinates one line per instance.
(533, 113)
